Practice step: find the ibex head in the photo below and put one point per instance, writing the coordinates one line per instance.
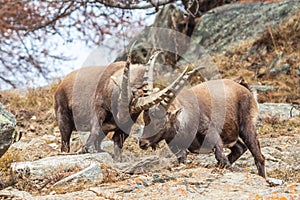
(160, 110)
(155, 104)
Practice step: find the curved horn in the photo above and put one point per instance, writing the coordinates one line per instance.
(166, 96)
(148, 76)
(125, 87)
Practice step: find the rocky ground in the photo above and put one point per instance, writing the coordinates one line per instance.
(33, 168)
(153, 174)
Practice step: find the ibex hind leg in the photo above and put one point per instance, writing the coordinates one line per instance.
(66, 126)
(236, 151)
(248, 134)
(249, 137)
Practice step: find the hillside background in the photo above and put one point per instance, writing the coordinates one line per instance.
(267, 56)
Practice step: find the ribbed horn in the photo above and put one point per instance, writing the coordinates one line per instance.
(148, 76)
(125, 88)
(166, 96)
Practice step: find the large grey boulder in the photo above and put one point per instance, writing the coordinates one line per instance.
(230, 24)
(39, 169)
(216, 31)
(279, 110)
(92, 174)
(7, 129)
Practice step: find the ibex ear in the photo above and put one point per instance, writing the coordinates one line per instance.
(114, 79)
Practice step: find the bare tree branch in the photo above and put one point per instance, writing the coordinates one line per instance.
(130, 6)
(66, 12)
(9, 82)
(27, 29)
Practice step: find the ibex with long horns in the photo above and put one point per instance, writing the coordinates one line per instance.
(204, 118)
(115, 105)
(95, 99)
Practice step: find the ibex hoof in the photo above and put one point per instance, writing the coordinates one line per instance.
(223, 165)
(181, 160)
(84, 149)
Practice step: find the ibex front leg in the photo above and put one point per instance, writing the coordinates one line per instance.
(119, 139)
(93, 143)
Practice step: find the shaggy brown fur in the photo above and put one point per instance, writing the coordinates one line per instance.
(106, 106)
(84, 100)
(205, 118)
(73, 102)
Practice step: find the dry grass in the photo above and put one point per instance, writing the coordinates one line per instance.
(34, 99)
(111, 175)
(24, 105)
(6, 176)
(254, 59)
(286, 175)
(32, 108)
(274, 127)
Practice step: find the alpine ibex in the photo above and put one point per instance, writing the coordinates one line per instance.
(209, 116)
(90, 99)
(73, 102)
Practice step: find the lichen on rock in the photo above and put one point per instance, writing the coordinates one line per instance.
(7, 129)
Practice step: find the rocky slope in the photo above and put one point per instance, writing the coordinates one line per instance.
(155, 174)
(33, 169)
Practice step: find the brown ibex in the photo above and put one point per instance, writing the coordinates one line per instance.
(112, 102)
(87, 99)
(73, 102)
(209, 116)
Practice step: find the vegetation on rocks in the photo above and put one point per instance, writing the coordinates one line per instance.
(256, 60)
(272, 58)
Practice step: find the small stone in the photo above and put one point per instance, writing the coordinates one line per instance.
(49, 138)
(56, 132)
(263, 88)
(228, 54)
(159, 180)
(278, 148)
(283, 68)
(54, 145)
(155, 175)
(275, 182)
(145, 183)
(33, 118)
(31, 128)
